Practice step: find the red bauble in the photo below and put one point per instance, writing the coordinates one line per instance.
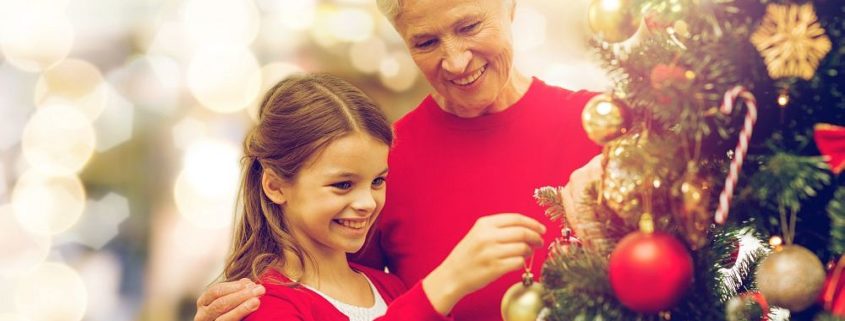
(649, 272)
(833, 299)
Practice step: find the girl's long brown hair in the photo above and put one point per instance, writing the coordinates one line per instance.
(298, 117)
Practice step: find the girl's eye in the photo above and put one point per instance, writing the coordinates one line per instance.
(470, 27)
(342, 185)
(378, 182)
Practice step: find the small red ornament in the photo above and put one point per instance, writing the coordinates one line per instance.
(832, 297)
(649, 272)
(831, 142)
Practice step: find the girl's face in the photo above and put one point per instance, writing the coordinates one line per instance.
(336, 197)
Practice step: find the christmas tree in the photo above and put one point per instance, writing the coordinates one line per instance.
(720, 197)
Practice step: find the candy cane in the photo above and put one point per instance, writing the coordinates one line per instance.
(741, 148)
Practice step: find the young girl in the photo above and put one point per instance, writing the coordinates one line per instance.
(314, 182)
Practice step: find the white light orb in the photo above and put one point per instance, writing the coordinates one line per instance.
(398, 72)
(224, 79)
(366, 56)
(47, 205)
(58, 139)
(351, 25)
(206, 189)
(221, 22)
(20, 250)
(52, 292)
(75, 82)
(34, 35)
(530, 24)
(295, 14)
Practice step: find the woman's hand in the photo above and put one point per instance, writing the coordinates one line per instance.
(495, 245)
(228, 301)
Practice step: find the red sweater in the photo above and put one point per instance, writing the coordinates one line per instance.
(284, 303)
(446, 172)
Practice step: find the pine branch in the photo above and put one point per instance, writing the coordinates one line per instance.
(836, 212)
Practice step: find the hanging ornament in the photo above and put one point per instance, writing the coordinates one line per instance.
(747, 306)
(621, 183)
(694, 215)
(791, 278)
(728, 102)
(791, 40)
(613, 20)
(604, 118)
(832, 296)
(649, 271)
(523, 301)
(564, 245)
(830, 140)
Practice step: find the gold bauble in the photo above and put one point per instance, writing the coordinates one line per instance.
(791, 278)
(523, 301)
(604, 118)
(695, 218)
(613, 20)
(621, 182)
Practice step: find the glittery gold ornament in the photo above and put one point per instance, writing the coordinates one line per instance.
(693, 192)
(622, 183)
(614, 20)
(604, 118)
(523, 301)
(791, 278)
(791, 40)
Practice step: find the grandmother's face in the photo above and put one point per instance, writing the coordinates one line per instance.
(463, 47)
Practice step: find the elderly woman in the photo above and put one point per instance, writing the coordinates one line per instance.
(476, 146)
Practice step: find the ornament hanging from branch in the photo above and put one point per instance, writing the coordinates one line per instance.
(791, 40)
(730, 98)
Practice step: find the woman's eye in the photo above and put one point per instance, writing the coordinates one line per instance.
(342, 185)
(426, 44)
(379, 181)
(470, 27)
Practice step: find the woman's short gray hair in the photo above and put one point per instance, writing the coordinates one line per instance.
(390, 9)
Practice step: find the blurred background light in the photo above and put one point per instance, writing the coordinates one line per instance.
(206, 188)
(271, 74)
(52, 292)
(58, 139)
(115, 124)
(35, 35)
(15, 103)
(366, 56)
(100, 221)
(12, 317)
(295, 14)
(221, 22)
(47, 205)
(398, 71)
(20, 250)
(151, 82)
(530, 25)
(224, 79)
(74, 82)
(351, 24)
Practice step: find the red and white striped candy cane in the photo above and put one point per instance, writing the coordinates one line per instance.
(741, 148)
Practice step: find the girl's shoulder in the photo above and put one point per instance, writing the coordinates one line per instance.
(286, 300)
(388, 284)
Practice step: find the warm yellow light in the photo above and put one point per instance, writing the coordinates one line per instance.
(611, 5)
(321, 32)
(221, 22)
(58, 139)
(53, 292)
(351, 25)
(47, 205)
(366, 56)
(295, 14)
(398, 71)
(20, 250)
(75, 82)
(206, 189)
(224, 79)
(530, 24)
(12, 317)
(34, 35)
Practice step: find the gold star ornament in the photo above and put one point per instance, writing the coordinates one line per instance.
(791, 40)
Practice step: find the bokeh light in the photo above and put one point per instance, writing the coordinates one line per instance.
(398, 71)
(295, 14)
(12, 317)
(366, 56)
(116, 122)
(530, 25)
(224, 79)
(351, 24)
(34, 35)
(74, 82)
(15, 103)
(58, 139)
(20, 250)
(52, 292)
(100, 221)
(221, 22)
(151, 82)
(47, 205)
(206, 189)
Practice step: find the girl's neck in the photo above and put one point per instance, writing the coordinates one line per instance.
(330, 274)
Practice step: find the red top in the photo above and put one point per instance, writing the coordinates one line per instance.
(285, 303)
(447, 171)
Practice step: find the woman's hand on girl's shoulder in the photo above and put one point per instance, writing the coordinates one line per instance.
(229, 301)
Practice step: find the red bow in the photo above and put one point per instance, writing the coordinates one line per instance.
(831, 142)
